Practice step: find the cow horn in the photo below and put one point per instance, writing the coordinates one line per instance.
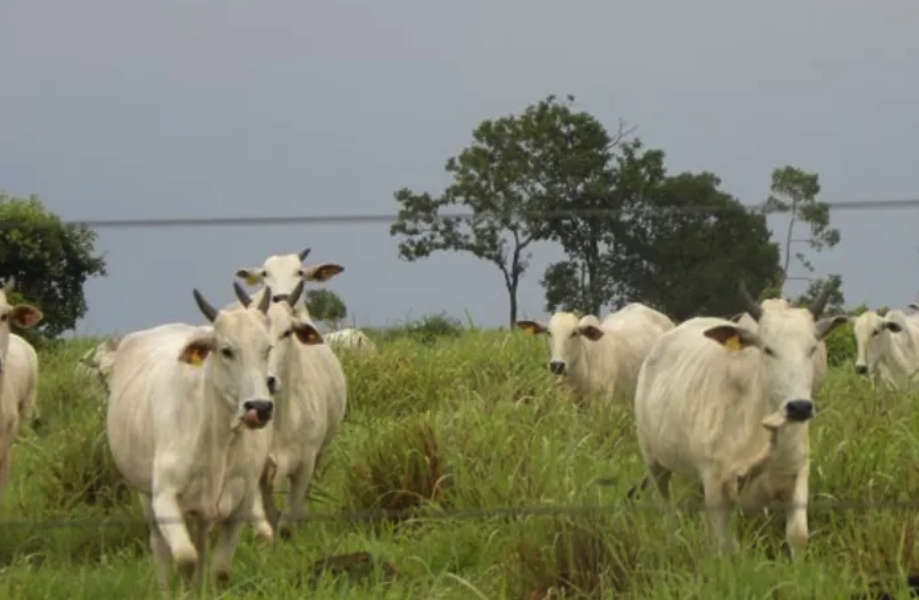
(265, 301)
(816, 307)
(244, 298)
(304, 253)
(294, 296)
(753, 307)
(204, 306)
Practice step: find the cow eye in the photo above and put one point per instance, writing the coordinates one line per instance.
(287, 334)
(4, 318)
(814, 349)
(227, 353)
(264, 273)
(575, 333)
(769, 351)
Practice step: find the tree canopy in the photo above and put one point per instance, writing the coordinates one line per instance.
(325, 305)
(50, 260)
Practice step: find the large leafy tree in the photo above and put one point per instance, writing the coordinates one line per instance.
(689, 244)
(326, 306)
(516, 167)
(49, 259)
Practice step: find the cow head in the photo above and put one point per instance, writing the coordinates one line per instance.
(20, 315)
(566, 333)
(282, 273)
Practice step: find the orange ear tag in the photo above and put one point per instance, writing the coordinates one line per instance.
(733, 343)
(251, 280)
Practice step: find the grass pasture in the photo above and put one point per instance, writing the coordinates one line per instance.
(458, 425)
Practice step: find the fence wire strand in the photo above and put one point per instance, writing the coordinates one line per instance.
(343, 219)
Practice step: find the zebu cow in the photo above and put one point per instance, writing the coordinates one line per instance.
(18, 376)
(96, 364)
(350, 339)
(310, 400)
(281, 273)
(888, 348)
(186, 425)
(730, 406)
(601, 357)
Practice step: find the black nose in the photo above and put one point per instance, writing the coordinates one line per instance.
(861, 369)
(557, 367)
(799, 410)
(272, 382)
(263, 408)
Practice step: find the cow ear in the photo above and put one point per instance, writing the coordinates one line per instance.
(826, 326)
(250, 275)
(25, 316)
(732, 337)
(322, 272)
(531, 327)
(307, 334)
(591, 332)
(196, 351)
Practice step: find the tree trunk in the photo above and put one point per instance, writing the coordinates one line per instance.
(512, 293)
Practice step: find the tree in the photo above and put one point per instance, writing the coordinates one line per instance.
(795, 192)
(515, 167)
(603, 174)
(835, 304)
(49, 259)
(684, 261)
(325, 305)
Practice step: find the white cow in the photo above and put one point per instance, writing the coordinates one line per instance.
(97, 363)
(819, 359)
(310, 400)
(18, 376)
(601, 357)
(186, 425)
(351, 339)
(888, 348)
(729, 406)
(282, 273)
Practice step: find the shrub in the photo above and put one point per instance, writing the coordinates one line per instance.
(840, 346)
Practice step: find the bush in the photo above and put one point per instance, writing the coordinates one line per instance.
(840, 346)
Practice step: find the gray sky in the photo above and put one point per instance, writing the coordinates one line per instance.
(112, 109)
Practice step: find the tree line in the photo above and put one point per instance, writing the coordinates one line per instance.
(630, 230)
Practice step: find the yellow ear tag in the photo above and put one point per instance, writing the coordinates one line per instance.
(195, 359)
(251, 280)
(733, 343)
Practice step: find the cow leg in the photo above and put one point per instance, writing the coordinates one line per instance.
(5, 464)
(172, 527)
(225, 547)
(296, 498)
(265, 501)
(202, 537)
(158, 546)
(796, 515)
(264, 533)
(717, 505)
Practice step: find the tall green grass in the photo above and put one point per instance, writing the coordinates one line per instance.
(444, 419)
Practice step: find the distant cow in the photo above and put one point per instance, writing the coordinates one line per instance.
(282, 272)
(18, 376)
(353, 340)
(601, 357)
(186, 424)
(729, 406)
(310, 397)
(888, 348)
(96, 364)
(820, 358)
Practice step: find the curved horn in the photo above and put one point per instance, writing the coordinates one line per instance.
(204, 306)
(753, 307)
(304, 253)
(265, 302)
(9, 285)
(241, 294)
(816, 307)
(294, 296)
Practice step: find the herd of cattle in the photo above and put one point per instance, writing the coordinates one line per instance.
(207, 422)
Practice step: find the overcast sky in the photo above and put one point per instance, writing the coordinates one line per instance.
(113, 109)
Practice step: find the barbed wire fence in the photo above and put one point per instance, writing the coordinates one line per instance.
(435, 512)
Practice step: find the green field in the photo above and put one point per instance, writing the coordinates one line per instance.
(470, 423)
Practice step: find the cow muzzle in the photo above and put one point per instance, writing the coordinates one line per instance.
(799, 411)
(257, 413)
(557, 367)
